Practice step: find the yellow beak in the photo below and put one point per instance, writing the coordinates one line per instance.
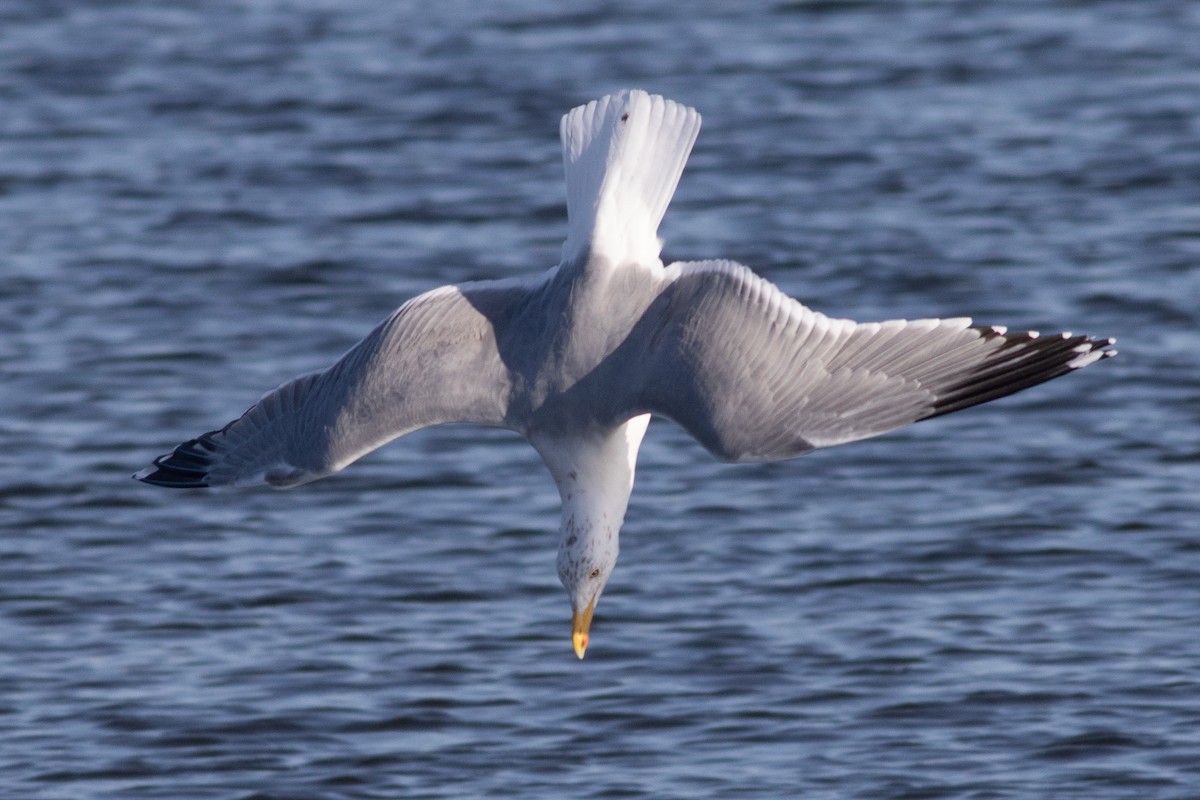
(580, 624)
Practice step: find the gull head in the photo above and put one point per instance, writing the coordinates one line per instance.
(594, 474)
(586, 558)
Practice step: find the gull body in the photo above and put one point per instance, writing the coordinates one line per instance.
(578, 358)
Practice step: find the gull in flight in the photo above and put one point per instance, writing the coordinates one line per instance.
(578, 358)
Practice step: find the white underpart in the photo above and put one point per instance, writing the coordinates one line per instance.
(623, 155)
(594, 472)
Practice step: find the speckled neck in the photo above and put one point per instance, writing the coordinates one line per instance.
(594, 473)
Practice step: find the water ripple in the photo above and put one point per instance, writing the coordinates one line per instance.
(198, 203)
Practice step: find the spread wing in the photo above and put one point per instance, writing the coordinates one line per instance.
(756, 376)
(434, 360)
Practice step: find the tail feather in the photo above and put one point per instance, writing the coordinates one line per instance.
(623, 155)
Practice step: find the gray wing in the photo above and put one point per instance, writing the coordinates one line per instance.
(756, 376)
(434, 360)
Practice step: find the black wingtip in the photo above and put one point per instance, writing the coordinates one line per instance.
(185, 467)
(1024, 359)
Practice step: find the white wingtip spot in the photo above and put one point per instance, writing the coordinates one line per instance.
(1090, 357)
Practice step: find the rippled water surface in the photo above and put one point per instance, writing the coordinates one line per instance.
(198, 201)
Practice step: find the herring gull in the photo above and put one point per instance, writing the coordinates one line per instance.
(578, 358)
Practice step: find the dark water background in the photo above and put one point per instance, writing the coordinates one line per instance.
(198, 201)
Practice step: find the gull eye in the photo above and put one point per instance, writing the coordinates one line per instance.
(595, 573)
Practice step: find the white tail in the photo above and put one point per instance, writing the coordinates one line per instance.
(623, 155)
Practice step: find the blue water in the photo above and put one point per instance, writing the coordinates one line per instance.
(198, 201)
